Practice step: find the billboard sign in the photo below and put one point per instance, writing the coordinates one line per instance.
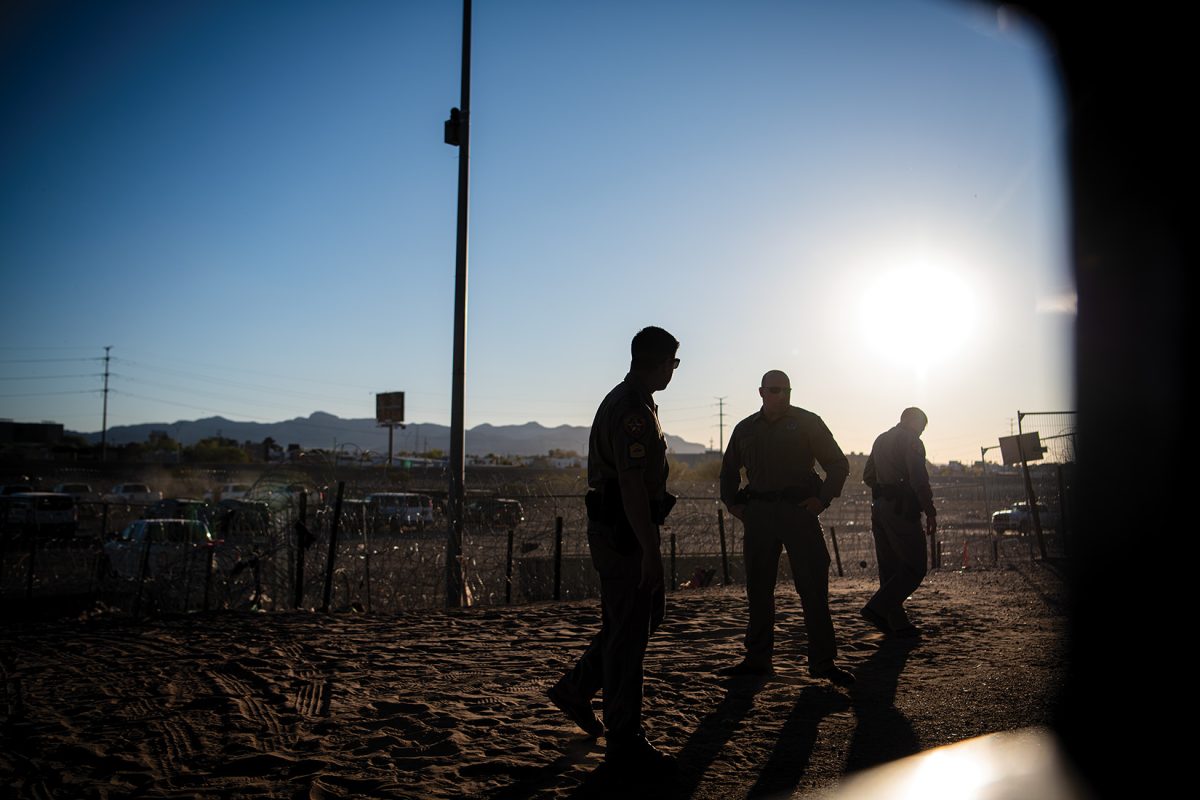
(1028, 444)
(389, 408)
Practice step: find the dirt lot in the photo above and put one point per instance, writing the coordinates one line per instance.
(451, 704)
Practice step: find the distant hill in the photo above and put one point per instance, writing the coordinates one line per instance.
(326, 430)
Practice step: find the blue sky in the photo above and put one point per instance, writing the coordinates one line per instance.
(252, 203)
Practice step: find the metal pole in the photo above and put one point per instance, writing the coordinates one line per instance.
(721, 424)
(558, 531)
(143, 571)
(34, 533)
(301, 544)
(104, 416)
(208, 573)
(674, 576)
(508, 570)
(333, 532)
(724, 551)
(1030, 495)
(1062, 510)
(366, 556)
(458, 133)
(837, 554)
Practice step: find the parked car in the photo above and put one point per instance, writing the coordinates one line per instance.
(169, 546)
(132, 493)
(48, 515)
(400, 509)
(496, 512)
(87, 501)
(1018, 518)
(180, 508)
(16, 488)
(80, 491)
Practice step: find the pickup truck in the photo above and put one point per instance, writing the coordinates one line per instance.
(1018, 518)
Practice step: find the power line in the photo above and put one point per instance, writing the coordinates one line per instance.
(226, 381)
(43, 360)
(51, 394)
(48, 377)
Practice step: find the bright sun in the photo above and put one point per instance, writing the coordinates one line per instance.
(918, 315)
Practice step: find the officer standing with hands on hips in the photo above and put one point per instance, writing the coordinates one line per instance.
(778, 446)
(900, 491)
(626, 502)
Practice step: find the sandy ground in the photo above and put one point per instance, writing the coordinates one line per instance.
(451, 704)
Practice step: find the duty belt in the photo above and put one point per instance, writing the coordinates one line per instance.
(792, 495)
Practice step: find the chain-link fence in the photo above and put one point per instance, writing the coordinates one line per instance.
(297, 558)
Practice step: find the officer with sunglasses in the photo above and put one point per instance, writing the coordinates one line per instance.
(626, 502)
(778, 446)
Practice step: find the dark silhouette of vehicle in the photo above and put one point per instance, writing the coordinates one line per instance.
(132, 493)
(166, 547)
(1018, 518)
(180, 508)
(495, 512)
(47, 515)
(400, 510)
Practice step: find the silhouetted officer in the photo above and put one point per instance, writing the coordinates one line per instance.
(627, 500)
(778, 446)
(900, 491)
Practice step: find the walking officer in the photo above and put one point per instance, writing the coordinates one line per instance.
(778, 446)
(900, 491)
(626, 502)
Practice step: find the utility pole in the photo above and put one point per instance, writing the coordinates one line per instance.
(104, 415)
(457, 133)
(721, 423)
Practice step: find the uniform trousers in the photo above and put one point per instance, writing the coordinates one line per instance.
(771, 526)
(900, 549)
(614, 658)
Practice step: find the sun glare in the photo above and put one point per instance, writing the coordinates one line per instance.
(918, 315)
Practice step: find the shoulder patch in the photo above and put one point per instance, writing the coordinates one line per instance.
(637, 450)
(634, 424)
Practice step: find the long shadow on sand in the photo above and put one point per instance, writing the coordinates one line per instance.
(702, 747)
(883, 733)
(534, 781)
(793, 749)
(713, 732)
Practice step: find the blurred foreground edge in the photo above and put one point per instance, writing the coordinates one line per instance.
(1017, 765)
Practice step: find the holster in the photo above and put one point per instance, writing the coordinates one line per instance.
(902, 497)
(604, 506)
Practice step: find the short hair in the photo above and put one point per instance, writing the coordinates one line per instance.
(914, 414)
(651, 347)
(775, 372)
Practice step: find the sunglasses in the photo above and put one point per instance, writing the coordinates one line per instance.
(777, 389)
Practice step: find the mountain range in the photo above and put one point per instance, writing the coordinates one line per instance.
(323, 430)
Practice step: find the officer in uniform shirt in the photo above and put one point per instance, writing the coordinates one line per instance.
(627, 500)
(778, 446)
(900, 491)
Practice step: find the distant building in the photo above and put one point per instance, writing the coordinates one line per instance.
(30, 432)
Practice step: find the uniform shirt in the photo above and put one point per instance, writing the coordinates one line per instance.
(626, 436)
(780, 455)
(897, 456)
